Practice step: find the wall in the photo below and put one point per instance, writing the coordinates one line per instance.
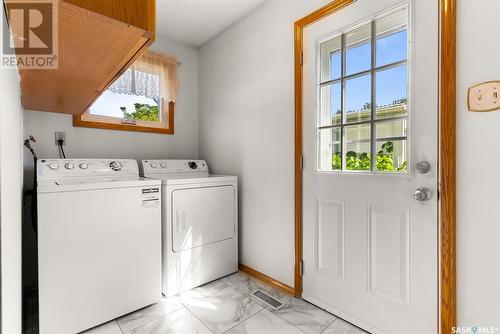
(99, 143)
(11, 182)
(478, 225)
(246, 127)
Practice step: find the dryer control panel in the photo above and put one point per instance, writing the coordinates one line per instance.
(183, 167)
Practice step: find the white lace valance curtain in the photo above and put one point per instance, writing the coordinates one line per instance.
(153, 75)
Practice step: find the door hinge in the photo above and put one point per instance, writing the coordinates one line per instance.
(301, 162)
(301, 267)
(301, 57)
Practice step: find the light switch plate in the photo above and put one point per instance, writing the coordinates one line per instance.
(484, 97)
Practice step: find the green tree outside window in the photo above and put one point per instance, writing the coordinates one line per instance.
(143, 112)
(361, 161)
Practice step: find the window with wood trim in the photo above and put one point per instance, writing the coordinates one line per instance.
(141, 99)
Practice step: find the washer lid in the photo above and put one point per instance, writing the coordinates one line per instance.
(86, 184)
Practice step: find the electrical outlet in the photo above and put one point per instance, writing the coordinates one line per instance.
(60, 135)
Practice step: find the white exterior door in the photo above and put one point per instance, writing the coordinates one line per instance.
(370, 248)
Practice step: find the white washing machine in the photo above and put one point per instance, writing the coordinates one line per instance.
(199, 223)
(99, 242)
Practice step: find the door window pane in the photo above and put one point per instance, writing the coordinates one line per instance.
(331, 59)
(358, 50)
(391, 146)
(331, 104)
(391, 156)
(391, 129)
(336, 63)
(330, 143)
(357, 147)
(358, 97)
(392, 38)
(392, 48)
(392, 92)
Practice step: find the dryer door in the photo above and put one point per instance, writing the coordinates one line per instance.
(202, 216)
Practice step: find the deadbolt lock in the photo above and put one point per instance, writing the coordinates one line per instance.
(423, 167)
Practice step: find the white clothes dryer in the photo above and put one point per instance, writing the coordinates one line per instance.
(199, 223)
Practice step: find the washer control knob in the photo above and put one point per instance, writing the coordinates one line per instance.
(192, 165)
(115, 165)
(54, 166)
(69, 165)
(163, 165)
(84, 165)
(153, 165)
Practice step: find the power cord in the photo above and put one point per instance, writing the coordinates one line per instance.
(32, 191)
(61, 149)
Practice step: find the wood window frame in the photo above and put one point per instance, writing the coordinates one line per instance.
(447, 153)
(78, 121)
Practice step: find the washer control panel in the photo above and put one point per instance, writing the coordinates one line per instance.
(86, 167)
(175, 167)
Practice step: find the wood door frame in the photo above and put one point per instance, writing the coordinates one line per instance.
(447, 153)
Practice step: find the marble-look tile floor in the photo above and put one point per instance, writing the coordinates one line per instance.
(225, 306)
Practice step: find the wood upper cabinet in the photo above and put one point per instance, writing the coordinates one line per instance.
(97, 41)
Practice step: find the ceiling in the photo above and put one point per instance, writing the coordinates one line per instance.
(197, 21)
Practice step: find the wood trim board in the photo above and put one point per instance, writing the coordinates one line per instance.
(266, 279)
(447, 157)
(447, 162)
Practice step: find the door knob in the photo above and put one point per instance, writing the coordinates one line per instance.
(422, 194)
(423, 167)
